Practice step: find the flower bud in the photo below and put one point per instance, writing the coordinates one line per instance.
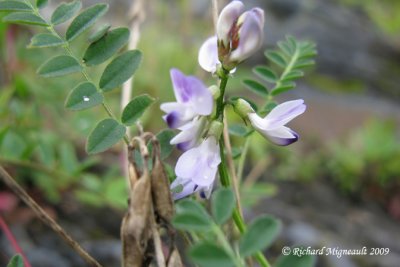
(215, 129)
(242, 108)
(226, 20)
(240, 34)
(215, 91)
(250, 35)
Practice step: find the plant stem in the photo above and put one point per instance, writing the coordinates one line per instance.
(219, 114)
(222, 168)
(242, 159)
(84, 72)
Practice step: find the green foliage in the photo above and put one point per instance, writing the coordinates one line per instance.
(120, 70)
(84, 96)
(7, 6)
(84, 20)
(135, 109)
(42, 40)
(16, 261)
(65, 11)
(239, 130)
(222, 205)
(103, 46)
(106, 134)
(294, 260)
(164, 137)
(41, 3)
(191, 216)
(253, 194)
(100, 32)
(368, 157)
(256, 87)
(291, 58)
(259, 235)
(59, 66)
(106, 46)
(208, 254)
(25, 18)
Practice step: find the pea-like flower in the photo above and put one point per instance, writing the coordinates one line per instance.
(196, 169)
(190, 134)
(273, 126)
(192, 99)
(239, 35)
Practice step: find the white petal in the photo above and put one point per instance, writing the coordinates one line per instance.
(257, 122)
(187, 186)
(282, 136)
(208, 55)
(251, 36)
(171, 106)
(284, 113)
(188, 163)
(228, 16)
(190, 133)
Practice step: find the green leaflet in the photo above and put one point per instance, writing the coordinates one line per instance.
(65, 11)
(106, 134)
(25, 18)
(10, 6)
(120, 70)
(59, 66)
(45, 40)
(135, 109)
(84, 96)
(106, 47)
(84, 20)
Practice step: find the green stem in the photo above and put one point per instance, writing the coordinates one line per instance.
(222, 168)
(288, 68)
(219, 114)
(84, 72)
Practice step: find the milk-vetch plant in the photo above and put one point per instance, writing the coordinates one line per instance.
(198, 114)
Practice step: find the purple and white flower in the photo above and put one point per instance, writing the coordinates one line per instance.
(273, 126)
(192, 99)
(196, 169)
(190, 134)
(239, 35)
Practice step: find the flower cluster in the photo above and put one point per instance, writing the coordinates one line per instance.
(239, 35)
(196, 168)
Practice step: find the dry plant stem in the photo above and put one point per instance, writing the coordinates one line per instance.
(136, 17)
(215, 13)
(21, 193)
(157, 242)
(231, 166)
